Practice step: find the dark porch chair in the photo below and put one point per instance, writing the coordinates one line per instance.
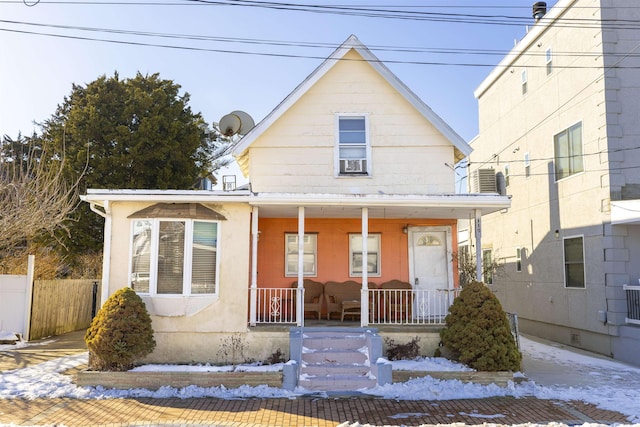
(398, 300)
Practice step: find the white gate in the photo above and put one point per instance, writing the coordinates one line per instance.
(15, 302)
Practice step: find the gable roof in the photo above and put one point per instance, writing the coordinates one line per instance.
(462, 149)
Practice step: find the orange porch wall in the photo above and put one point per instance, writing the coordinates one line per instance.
(333, 248)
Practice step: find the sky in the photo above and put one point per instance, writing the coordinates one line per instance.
(578, 376)
(245, 56)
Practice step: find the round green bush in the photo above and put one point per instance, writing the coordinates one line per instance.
(477, 331)
(120, 334)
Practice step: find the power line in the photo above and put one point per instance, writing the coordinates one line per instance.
(259, 42)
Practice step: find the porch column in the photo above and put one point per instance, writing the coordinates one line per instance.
(253, 300)
(300, 296)
(364, 291)
(478, 231)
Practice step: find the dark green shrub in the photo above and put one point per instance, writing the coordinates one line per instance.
(120, 333)
(477, 331)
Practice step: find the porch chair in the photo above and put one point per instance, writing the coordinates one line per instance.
(313, 295)
(398, 301)
(337, 293)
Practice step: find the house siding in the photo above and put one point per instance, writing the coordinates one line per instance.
(512, 124)
(224, 314)
(296, 153)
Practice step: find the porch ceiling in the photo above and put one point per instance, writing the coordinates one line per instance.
(285, 205)
(459, 206)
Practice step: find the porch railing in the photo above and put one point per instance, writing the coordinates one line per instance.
(275, 305)
(633, 304)
(409, 306)
(386, 306)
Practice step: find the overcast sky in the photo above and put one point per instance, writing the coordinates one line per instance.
(49, 45)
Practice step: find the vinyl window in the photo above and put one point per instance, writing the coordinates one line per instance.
(309, 257)
(568, 152)
(353, 145)
(174, 257)
(373, 255)
(574, 262)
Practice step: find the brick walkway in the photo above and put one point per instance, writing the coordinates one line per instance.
(305, 411)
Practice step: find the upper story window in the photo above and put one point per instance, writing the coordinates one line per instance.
(519, 259)
(527, 165)
(524, 81)
(568, 152)
(174, 256)
(506, 175)
(309, 257)
(548, 56)
(574, 262)
(353, 145)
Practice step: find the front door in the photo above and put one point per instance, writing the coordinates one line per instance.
(430, 270)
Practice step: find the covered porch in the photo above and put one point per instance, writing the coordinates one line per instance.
(308, 257)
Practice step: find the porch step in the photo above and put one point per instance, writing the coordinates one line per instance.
(335, 359)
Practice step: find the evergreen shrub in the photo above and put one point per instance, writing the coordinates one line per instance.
(120, 334)
(477, 331)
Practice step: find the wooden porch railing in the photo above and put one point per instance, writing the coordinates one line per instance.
(633, 304)
(386, 306)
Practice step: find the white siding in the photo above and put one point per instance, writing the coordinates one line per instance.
(296, 154)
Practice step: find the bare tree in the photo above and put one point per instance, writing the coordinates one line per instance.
(35, 198)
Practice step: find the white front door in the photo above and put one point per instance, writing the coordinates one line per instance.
(430, 270)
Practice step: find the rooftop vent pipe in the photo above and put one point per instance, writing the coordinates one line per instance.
(539, 10)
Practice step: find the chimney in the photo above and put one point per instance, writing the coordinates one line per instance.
(539, 10)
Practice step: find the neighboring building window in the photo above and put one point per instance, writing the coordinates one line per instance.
(519, 259)
(309, 257)
(355, 255)
(524, 81)
(568, 152)
(527, 165)
(574, 262)
(353, 149)
(549, 61)
(506, 175)
(174, 257)
(487, 266)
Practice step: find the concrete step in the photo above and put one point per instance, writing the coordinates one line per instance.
(335, 357)
(335, 342)
(321, 369)
(337, 382)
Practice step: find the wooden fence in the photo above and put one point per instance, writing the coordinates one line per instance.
(61, 306)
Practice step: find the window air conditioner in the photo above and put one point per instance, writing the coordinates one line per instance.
(353, 166)
(484, 181)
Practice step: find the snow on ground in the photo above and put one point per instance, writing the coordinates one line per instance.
(603, 382)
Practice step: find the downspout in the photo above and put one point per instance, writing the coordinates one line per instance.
(106, 255)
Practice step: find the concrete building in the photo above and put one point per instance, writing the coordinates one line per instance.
(559, 129)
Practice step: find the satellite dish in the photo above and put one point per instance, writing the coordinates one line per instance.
(246, 122)
(229, 124)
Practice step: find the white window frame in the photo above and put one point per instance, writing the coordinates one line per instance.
(506, 171)
(519, 259)
(570, 148)
(523, 81)
(187, 256)
(564, 262)
(367, 171)
(548, 56)
(293, 272)
(373, 250)
(527, 165)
